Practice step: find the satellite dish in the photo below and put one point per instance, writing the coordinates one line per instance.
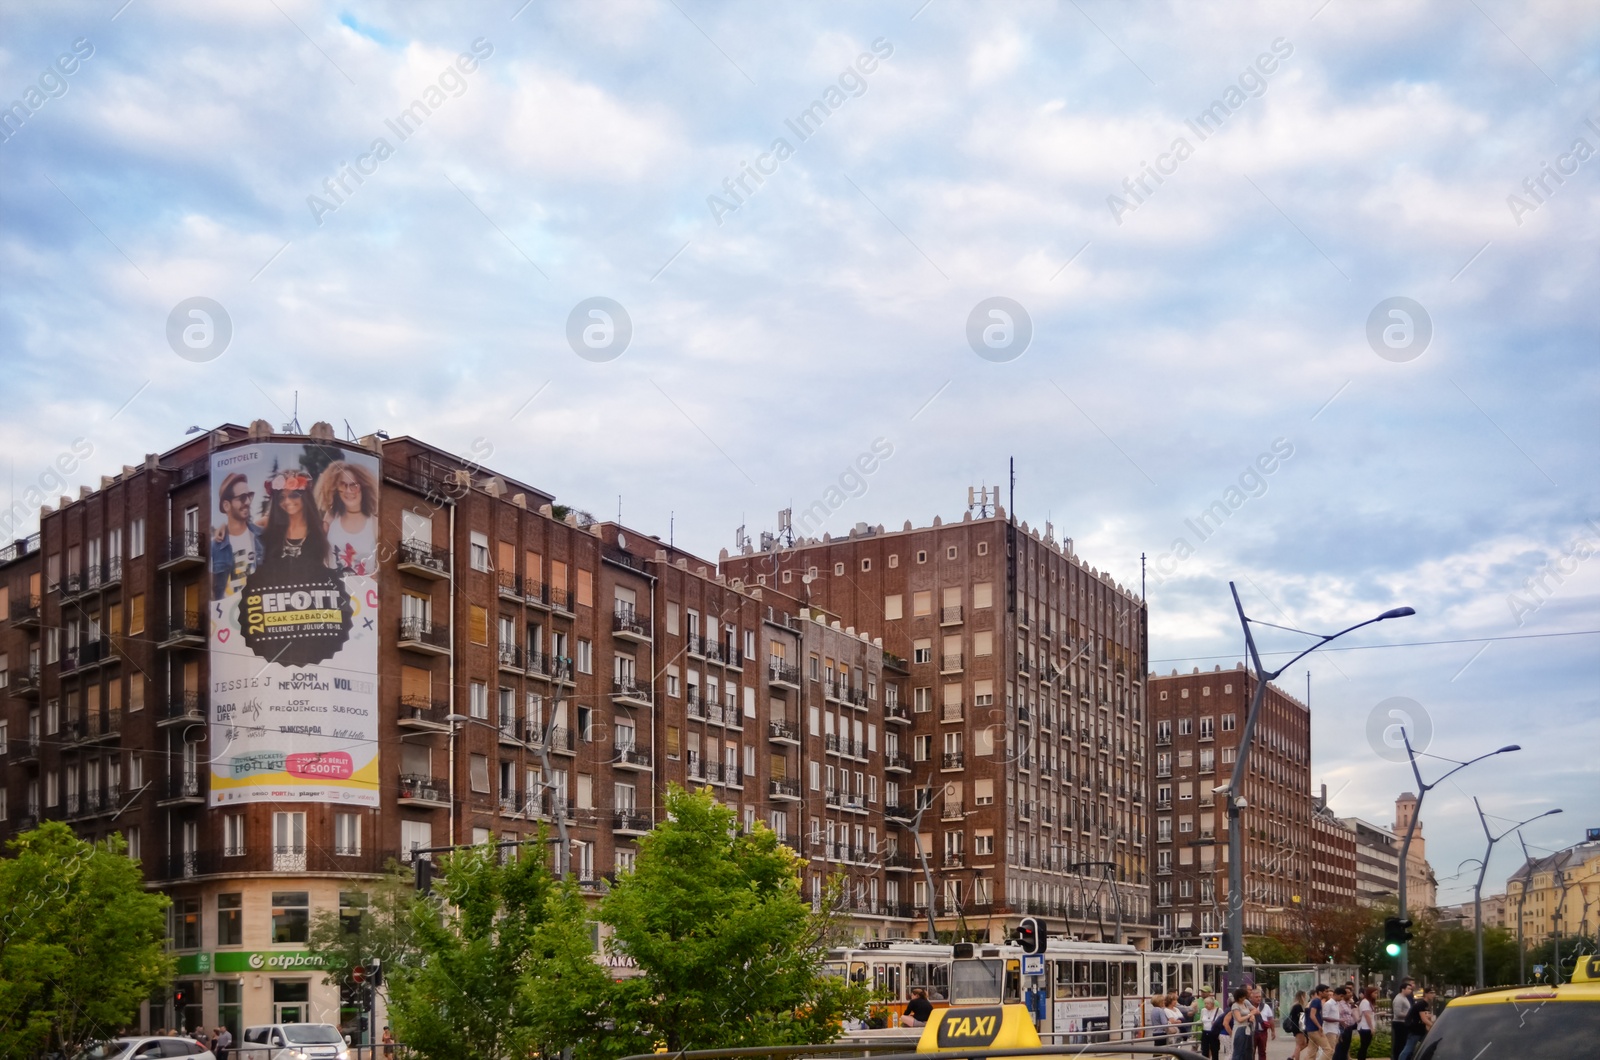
(805, 579)
(622, 540)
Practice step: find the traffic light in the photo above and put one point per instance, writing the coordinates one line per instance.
(424, 874)
(1212, 940)
(374, 971)
(1032, 933)
(1396, 933)
(180, 997)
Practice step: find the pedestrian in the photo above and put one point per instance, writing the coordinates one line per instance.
(1418, 1022)
(1342, 1022)
(1317, 1045)
(918, 1009)
(1366, 1019)
(388, 1042)
(1158, 1019)
(1240, 1026)
(1187, 1006)
(1294, 1023)
(1266, 1026)
(1399, 1008)
(1210, 1027)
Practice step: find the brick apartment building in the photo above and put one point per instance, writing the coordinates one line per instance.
(1197, 719)
(1333, 858)
(1026, 728)
(527, 666)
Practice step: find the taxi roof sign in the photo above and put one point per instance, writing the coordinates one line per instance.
(979, 1027)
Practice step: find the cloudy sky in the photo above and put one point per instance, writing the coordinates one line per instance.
(1351, 242)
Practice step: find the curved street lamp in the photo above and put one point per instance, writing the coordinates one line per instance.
(1403, 966)
(1483, 870)
(1236, 784)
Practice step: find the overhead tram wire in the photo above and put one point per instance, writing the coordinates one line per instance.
(1397, 644)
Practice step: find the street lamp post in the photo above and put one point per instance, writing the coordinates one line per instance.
(454, 721)
(1403, 965)
(1522, 897)
(1483, 870)
(915, 825)
(1235, 786)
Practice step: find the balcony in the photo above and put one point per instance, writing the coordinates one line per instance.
(900, 812)
(109, 574)
(896, 763)
(419, 790)
(510, 658)
(780, 672)
(102, 725)
(633, 758)
(562, 741)
(511, 731)
(182, 789)
(508, 584)
(783, 732)
(560, 599)
(511, 804)
(25, 612)
(629, 690)
(185, 629)
(183, 708)
(787, 790)
(896, 712)
(631, 821)
(954, 760)
(188, 864)
(92, 653)
(953, 810)
(627, 624)
(833, 689)
(289, 859)
(25, 682)
(183, 550)
(695, 704)
(950, 616)
(724, 773)
(950, 712)
(424, 714)
(953, 860)
(423, 560)
(899, 859)
(421, 635)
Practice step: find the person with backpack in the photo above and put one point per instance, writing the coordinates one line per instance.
(1294, 1023)
(1347, 1022)
(1418, 1022)
(1317, 1045)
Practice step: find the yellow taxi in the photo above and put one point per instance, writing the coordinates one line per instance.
(1522, 1023)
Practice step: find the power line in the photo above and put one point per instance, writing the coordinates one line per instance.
(1398, 644)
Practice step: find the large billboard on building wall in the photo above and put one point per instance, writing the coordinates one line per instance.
(294, 624)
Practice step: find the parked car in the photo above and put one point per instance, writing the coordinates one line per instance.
(292, 1041)
(146, 1047)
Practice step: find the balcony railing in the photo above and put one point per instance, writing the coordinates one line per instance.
(896, 712)
(509, 657)
(954, 759)
(950, 616)
(634, 756)
(186, 625)
(184, 705)
(627, 688)
(424, 711)
(784, 789)
(952, 810)
(420, 557)
(421, 632)
(783, 730)
(183, 547)
(780, 672)
(289, 859)
(422, 788)
(950, 712)
(25, 610)
(183, 786)
(630, 821)
(898, 762)
(626, 621)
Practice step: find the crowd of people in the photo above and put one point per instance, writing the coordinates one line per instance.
(1331, 1023)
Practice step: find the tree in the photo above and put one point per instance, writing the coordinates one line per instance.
(1272, 949)
(728, 950)
(82, 942)
(383, 928)
(503, 967)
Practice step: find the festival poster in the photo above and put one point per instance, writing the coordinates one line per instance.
(294, 624)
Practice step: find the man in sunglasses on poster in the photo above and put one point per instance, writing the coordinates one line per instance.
(235, 547)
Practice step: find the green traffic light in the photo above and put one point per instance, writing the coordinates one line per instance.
(1392, 949)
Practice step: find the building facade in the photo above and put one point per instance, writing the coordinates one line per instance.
(1198, 719)
(1027, 730)
(1377, 862)
(1557, 894)
(494, 664)
(1422, 886)
(1333, 858)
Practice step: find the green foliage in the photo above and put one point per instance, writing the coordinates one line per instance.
(1271, 949)
(384, 929)
(729, 952)
(1545, 954)
(82, 942)
(504, 966)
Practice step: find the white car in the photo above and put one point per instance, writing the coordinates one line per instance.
(149, 1047)
(291, 1041)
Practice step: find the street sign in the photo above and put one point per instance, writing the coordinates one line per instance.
(358, 974)
(1033, 964)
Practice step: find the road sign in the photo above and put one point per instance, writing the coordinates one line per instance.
(1033, 964)
(358, 974)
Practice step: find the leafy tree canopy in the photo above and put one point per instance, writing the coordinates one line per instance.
(82, 942)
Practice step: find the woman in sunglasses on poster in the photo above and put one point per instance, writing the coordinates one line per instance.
(348, 498)
(294, 542)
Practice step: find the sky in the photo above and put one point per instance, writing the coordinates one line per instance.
(1325, 270)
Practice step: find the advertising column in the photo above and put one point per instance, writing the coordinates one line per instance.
(294, 626)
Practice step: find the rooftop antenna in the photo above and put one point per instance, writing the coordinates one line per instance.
(786, 527)
(1141, 574)
(619, 507)
(982, 500)
(672, 522)
(741, 540)
(349, 433)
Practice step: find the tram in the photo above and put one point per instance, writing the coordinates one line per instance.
(1086, 992)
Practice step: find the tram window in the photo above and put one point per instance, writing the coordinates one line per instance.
(1063, 978)
(886, 977)
(834, 968)
(1172, 977)
(1130, 978)
(1158, 981)
(935, 978)
(1097, 978)
(976, 982)
(1188, 977)
(1013, 983)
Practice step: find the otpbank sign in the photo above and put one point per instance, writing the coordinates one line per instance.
(267, 961)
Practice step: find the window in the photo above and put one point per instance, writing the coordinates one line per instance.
(983, 594)
(1163, 732)
(347, 834)
(136, 614)
(838, 570)
(289, 843)
(478, 624)
(894, 561)
(585, 588)
(1227, 723)
(1227, 756)
(921, 700)
(983, 792)
(479, 772)
(185, 923)
(1206, 728)
(922, 556)
(1208, 760)
(950, 553)
(788, 576)
(291, 916)
(866, 565)
(585, 656)
(1163, 794)
(983, 548)
(921, 748)
(233, 835)
(131, 834)
(1185, 726)
(352, 904)
(478, 700)
(479, 551)
(893, 607)
(922, 650)
(414, 834)
(922, 602)
(416, 528)
(230, 919)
